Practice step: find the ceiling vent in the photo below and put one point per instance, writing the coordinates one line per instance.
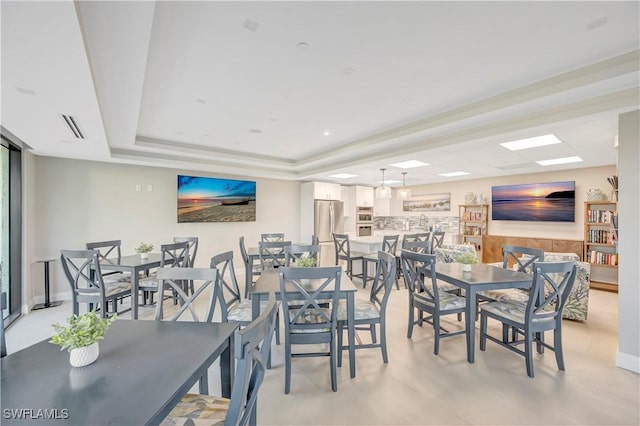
(72, 125)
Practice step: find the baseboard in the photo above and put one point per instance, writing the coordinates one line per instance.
(628, 362)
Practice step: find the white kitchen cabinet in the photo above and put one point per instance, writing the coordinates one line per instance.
(364, 196)
(382, 207)
(326, 191)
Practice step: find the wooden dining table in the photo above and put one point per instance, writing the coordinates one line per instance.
(269, 282)
(143, 370)
(481, 277)
(134, 264)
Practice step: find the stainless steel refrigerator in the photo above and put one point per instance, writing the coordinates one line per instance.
(328, 218)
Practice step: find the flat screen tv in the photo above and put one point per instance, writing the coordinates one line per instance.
(205, 199)
(543, 202)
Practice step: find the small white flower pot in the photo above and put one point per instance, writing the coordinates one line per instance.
(466, 267)
(144, 255)
(85, 355)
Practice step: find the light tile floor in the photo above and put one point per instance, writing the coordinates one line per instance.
(417, 387)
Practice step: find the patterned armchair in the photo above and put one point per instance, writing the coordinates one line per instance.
(448, 253)
(577, 304)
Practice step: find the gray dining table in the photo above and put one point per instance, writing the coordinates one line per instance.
(144, 369)
(269, 282)
(481, 277)
(133, 264)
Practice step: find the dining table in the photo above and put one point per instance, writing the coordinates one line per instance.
(481, 277)
(143, 370)
(134, 264)
(269, 282)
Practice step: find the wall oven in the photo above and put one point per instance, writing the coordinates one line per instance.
(364, 230)
(364, 215)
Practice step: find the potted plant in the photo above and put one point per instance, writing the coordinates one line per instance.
(80, 337)
(467, 259)
(144, 250)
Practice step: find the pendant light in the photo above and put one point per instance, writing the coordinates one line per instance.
(403, 193)
(383, 192)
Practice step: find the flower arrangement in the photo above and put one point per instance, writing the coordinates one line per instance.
(306, 262)
(467, 258)
(144, 248)
(82, 330)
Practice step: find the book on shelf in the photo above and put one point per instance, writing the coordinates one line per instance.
(601, 258)
(600, 216)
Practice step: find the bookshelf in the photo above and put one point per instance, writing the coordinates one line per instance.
(473, 224)
(601, 243)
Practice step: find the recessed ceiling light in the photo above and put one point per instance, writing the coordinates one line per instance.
(343, 176)
(326, 133)
(454, 174)
(251, 25)
(409, 164)
(255, 131)
(564, 160)
(390, 181)
(544, 140)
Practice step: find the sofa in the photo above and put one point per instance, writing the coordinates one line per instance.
(577, 304)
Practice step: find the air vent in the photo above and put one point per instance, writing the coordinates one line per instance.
(514, 166)
(72, 125)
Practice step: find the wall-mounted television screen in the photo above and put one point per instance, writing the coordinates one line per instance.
(549, 202)
(205, 199)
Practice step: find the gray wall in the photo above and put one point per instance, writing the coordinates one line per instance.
(629, 241)
(79, 201)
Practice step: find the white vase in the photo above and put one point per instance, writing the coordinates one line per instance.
(466, 267)
(144, 255)
(85, 355)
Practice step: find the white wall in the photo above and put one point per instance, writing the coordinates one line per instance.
(80, 201)
(629, 242)
(586, 179)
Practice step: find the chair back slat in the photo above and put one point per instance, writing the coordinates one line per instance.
(384, 279)
(523, 257)
(106, 249)
(417, 246)
(272, 238)
(390, 244)
(174, 255)
(252, 346)
(229, 291)
(193, 247)
(295, 252)
(437, 240)
(172, 279)
(272, 253)
(342, 247)
(552, 283)
(419, 270)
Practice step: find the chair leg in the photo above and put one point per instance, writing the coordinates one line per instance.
(287, 366)
(505, 333)
(539, 342)
(483, 332)
(364, 273)
(528, 349)
(340, 333)
(436, 328)
(332, 360)
(278, 327)
(410, 329)
(557, 347)
(372, 329)
(383, 341)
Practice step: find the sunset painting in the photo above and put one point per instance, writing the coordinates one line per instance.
(204, 199)
(553, 201)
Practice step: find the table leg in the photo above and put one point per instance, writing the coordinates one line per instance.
(204, 384)
(351, 332)
(470, 320)
(227, 367)
(134, 293)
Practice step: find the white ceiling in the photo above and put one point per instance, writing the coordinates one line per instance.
(188, 85)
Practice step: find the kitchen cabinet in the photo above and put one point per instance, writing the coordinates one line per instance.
(364, 196)
(326, 191)
(382, 207)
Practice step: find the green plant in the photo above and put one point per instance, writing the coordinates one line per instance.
(144, 248)
(467, 258)
(82, 330)
(306, 262)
